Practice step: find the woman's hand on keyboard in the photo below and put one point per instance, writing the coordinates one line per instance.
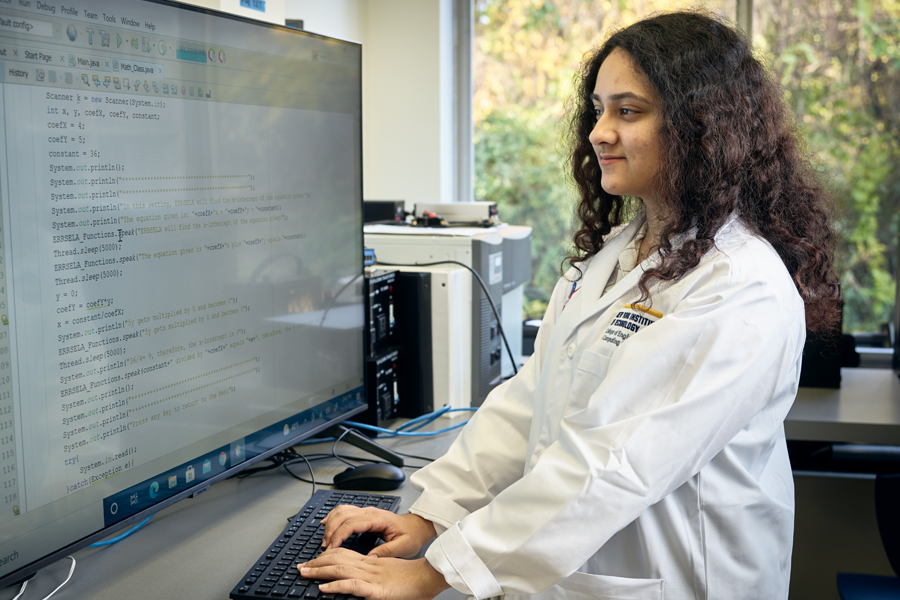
(404, 535)
(373, 577)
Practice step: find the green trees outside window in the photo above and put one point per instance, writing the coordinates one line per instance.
(839, 64)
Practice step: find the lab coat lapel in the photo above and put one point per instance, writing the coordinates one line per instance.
(616, 292)
(601, 268)
(593, 300)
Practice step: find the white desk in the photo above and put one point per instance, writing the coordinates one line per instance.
(199, 548)
(866, 410)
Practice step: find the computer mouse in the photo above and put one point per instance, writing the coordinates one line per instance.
(375, 477)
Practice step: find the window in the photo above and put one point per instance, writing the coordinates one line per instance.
(525, 55)
(839, 63)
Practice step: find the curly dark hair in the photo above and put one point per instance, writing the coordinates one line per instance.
(728, 145)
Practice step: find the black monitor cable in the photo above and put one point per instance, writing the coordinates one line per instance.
(312, 475)
(483, 288)
(334, 448)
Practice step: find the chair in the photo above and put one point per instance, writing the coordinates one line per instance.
(855, 586)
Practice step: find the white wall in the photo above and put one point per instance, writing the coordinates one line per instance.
(408, 91)
(274, 9)
(334, 18)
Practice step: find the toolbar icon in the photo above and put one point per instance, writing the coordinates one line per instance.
(104, 38)
(189, 474)
(137, 84)
(134, 43)
(85, 79)
(155, 88)
(145, 44)
(96, 80)
(51, 76)
(207, 466)
(39, 74)
(72, 33)
(173, 481)
(154, 490)
(126, 83)
(90, 33)
(118, 40)
(106, 81)
(69, 79)
(161, 47)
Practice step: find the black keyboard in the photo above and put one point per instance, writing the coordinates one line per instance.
(275, 574)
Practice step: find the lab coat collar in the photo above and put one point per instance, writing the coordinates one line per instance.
(592, 300)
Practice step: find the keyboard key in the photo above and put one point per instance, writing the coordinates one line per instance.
(280, 590)
(297, 592)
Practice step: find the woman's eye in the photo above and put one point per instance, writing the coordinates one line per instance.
(598, 112)
(627, 111)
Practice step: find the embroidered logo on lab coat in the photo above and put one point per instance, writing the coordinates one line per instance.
(629, 321)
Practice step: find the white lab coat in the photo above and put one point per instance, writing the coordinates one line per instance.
(634, 456)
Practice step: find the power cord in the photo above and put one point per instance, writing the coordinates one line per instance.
(483, 288)
(71, 570)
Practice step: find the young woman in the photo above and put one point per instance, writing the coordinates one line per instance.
(640, 453)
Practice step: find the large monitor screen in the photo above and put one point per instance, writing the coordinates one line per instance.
(180, 260)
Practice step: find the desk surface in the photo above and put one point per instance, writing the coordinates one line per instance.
(866, 409)
(199, 548)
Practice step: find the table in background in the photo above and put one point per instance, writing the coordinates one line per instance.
(835, 528)
(865, 410)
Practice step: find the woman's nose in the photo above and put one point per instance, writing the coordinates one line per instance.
(602, 133)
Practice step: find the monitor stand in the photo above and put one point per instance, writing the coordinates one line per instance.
(351, 436)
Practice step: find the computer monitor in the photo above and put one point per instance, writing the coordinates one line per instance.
(180, 262)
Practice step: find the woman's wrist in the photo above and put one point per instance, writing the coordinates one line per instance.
(433, 581)
(423, 528)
